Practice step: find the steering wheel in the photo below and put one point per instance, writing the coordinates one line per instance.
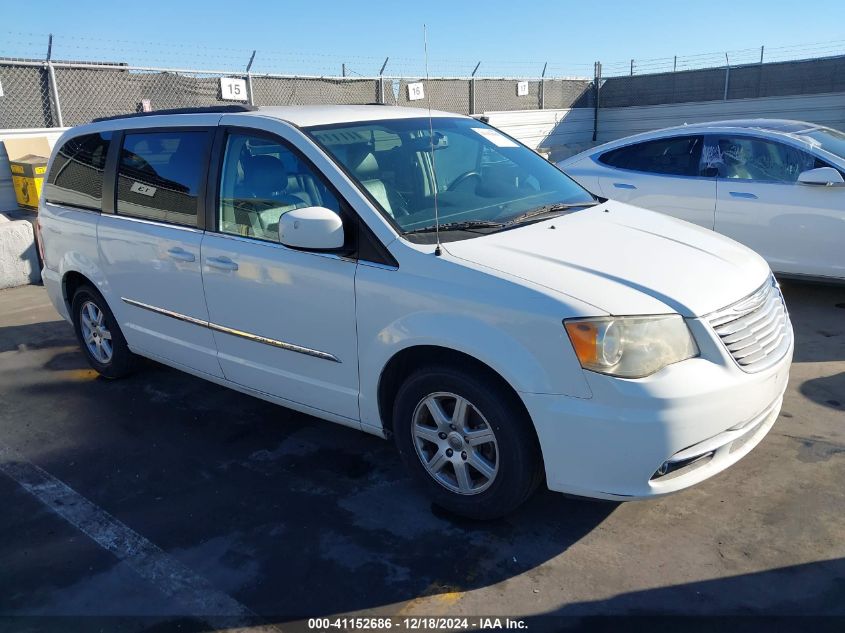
(460, 179)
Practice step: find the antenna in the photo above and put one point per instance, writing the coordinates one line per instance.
(437, 250)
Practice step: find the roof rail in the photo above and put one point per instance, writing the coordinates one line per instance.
(222, 109)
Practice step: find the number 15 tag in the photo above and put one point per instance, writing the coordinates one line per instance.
(233, 89)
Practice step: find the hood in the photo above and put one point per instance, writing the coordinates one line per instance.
(624, 260)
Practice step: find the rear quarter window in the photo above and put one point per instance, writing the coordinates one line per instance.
(76, 176)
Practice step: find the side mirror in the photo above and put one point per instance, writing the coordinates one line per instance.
(824, 176)
(311, 228)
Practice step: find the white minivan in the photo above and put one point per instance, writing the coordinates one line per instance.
(420, 276)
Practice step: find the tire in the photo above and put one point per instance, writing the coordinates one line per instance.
(99, 335)
(512, 450)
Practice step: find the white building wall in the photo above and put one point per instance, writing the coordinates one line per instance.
(824, 109)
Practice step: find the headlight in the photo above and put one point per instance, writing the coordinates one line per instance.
(630, 347)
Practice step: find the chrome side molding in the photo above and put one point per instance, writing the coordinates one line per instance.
(291, 347)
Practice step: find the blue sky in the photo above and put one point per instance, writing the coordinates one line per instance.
(509, 37)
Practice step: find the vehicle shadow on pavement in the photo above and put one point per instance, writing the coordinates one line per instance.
(292, 516)
(828, 391)
(810, 590)
(35, 336)
(817, 312)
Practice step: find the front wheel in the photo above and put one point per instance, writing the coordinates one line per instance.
(99, 335)
(467, 441)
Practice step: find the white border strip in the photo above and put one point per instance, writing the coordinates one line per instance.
(194, 592)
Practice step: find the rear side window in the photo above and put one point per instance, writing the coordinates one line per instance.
(160, 174)
(76, 177)
(678, 156)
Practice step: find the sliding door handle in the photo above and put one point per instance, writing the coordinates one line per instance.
(181, 254)
(221, 263)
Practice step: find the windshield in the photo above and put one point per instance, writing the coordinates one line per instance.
(483, 178)
(828, 139)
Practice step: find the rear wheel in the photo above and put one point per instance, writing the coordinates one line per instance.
(466, 441)
(99, 336)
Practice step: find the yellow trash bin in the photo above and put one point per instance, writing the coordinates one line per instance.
(28, 163)
(28, 179)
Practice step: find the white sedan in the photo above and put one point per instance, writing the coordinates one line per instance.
(776, 186)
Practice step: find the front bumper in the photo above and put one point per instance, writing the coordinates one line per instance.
(653, 436)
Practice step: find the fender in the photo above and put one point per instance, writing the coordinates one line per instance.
(494, 346)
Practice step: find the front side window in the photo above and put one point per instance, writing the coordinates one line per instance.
(677, 156)
(76, 177)
(748, 158)
(262, 179)
(479, 174)
(160, 174)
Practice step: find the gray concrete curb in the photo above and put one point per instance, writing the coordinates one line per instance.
(18, 254)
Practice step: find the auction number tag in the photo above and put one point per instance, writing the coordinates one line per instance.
(415, 92)
(499, 140)
(233, 89)
(521, 88)
(144, 190)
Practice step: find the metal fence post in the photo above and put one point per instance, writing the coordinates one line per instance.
(54, 87)
(381, 81)
(727, 76)
(251, 99)
(632, 68)
(597, 87)
(472, 89)
(543, 87)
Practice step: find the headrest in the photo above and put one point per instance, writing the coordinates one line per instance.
(265, 175)
(364, 165)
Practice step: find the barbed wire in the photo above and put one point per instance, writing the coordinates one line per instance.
(33, 46)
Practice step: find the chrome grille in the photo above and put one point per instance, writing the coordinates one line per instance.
(755, 330)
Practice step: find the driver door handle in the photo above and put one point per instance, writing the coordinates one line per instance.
(221, 263)
(623, 185)
(743, 194)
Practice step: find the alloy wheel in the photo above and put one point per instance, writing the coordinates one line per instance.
(95, 334)
(455, 443)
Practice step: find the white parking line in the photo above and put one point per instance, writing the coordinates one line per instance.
(150, 562)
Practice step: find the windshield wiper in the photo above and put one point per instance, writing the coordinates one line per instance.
(549, 208)
(459, 226)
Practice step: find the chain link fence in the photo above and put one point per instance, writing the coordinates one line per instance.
(749, 81)
(56, 94)
(43, 94)
(26, 100)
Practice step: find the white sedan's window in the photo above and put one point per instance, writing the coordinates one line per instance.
(675, 156)
(748, 158)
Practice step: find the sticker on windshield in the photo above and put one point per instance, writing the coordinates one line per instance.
(499, 140)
